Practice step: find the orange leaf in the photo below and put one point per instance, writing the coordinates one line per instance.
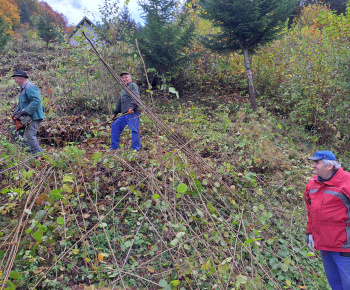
(44, 197)
(100, 257)
(48, 91)
(39, 201)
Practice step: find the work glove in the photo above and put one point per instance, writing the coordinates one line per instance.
(310, 242)
(130, 111)
(16, 115)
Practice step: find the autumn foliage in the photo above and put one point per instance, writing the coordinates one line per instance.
(10, 14)
(10, 11)
(58, 18)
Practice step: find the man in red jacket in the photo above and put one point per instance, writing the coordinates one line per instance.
(327, 197)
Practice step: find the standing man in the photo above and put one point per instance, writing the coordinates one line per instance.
(327, 197)
(127, 106)
(29, 104)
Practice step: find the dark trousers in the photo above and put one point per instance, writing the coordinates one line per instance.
(27, 137)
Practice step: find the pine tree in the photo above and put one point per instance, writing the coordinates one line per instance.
(46, 29)
(165, 36)
(116, 26)
(25, 13)
(244, 26)
(126, 20)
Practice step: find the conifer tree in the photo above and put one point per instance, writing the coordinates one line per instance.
(25, 13)
(244, 26)
(165, 36)
(126, 20)
(46, 29)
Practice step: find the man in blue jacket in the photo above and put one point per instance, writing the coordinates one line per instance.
(29, 104)
(130, 117)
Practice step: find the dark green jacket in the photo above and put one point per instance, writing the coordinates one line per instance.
(29, 100)
(125, 102)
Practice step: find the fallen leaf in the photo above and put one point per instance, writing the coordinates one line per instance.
(150, 269)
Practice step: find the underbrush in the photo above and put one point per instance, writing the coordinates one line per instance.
(229, 215)
(215, 197)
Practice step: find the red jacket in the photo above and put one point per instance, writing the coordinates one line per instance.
(328, 208)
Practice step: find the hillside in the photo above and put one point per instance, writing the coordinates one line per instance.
(214, 199)
(219, 202)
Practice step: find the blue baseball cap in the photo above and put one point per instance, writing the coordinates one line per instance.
(326, 155)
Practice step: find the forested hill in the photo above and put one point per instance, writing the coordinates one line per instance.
(214, 198)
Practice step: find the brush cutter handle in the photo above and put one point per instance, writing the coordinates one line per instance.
(115, 117)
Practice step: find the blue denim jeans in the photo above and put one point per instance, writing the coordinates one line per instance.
(133, 121)
(27, 138)
(337, 268)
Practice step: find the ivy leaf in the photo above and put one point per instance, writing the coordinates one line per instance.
(181, 188)
(273, 262)
(223, 268)
(15, 275)
(163, 283)
(241, 280)
(175, 283)
(150, 269)
(174, 242)
(172, 90)
(68, 178)
(198, 185)
(287, 261)
(28, 211)
(249, 241)
(38, 235)
(60, 220)
(206, 265)
(179, 235)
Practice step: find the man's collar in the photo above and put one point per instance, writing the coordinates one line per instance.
(24, 85)
(323, 180)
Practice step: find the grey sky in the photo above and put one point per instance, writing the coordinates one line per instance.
(75, 10)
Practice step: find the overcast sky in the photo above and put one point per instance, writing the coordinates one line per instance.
(75, 10)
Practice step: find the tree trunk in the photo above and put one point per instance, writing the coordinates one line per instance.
(249, 79)
(164, 85)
